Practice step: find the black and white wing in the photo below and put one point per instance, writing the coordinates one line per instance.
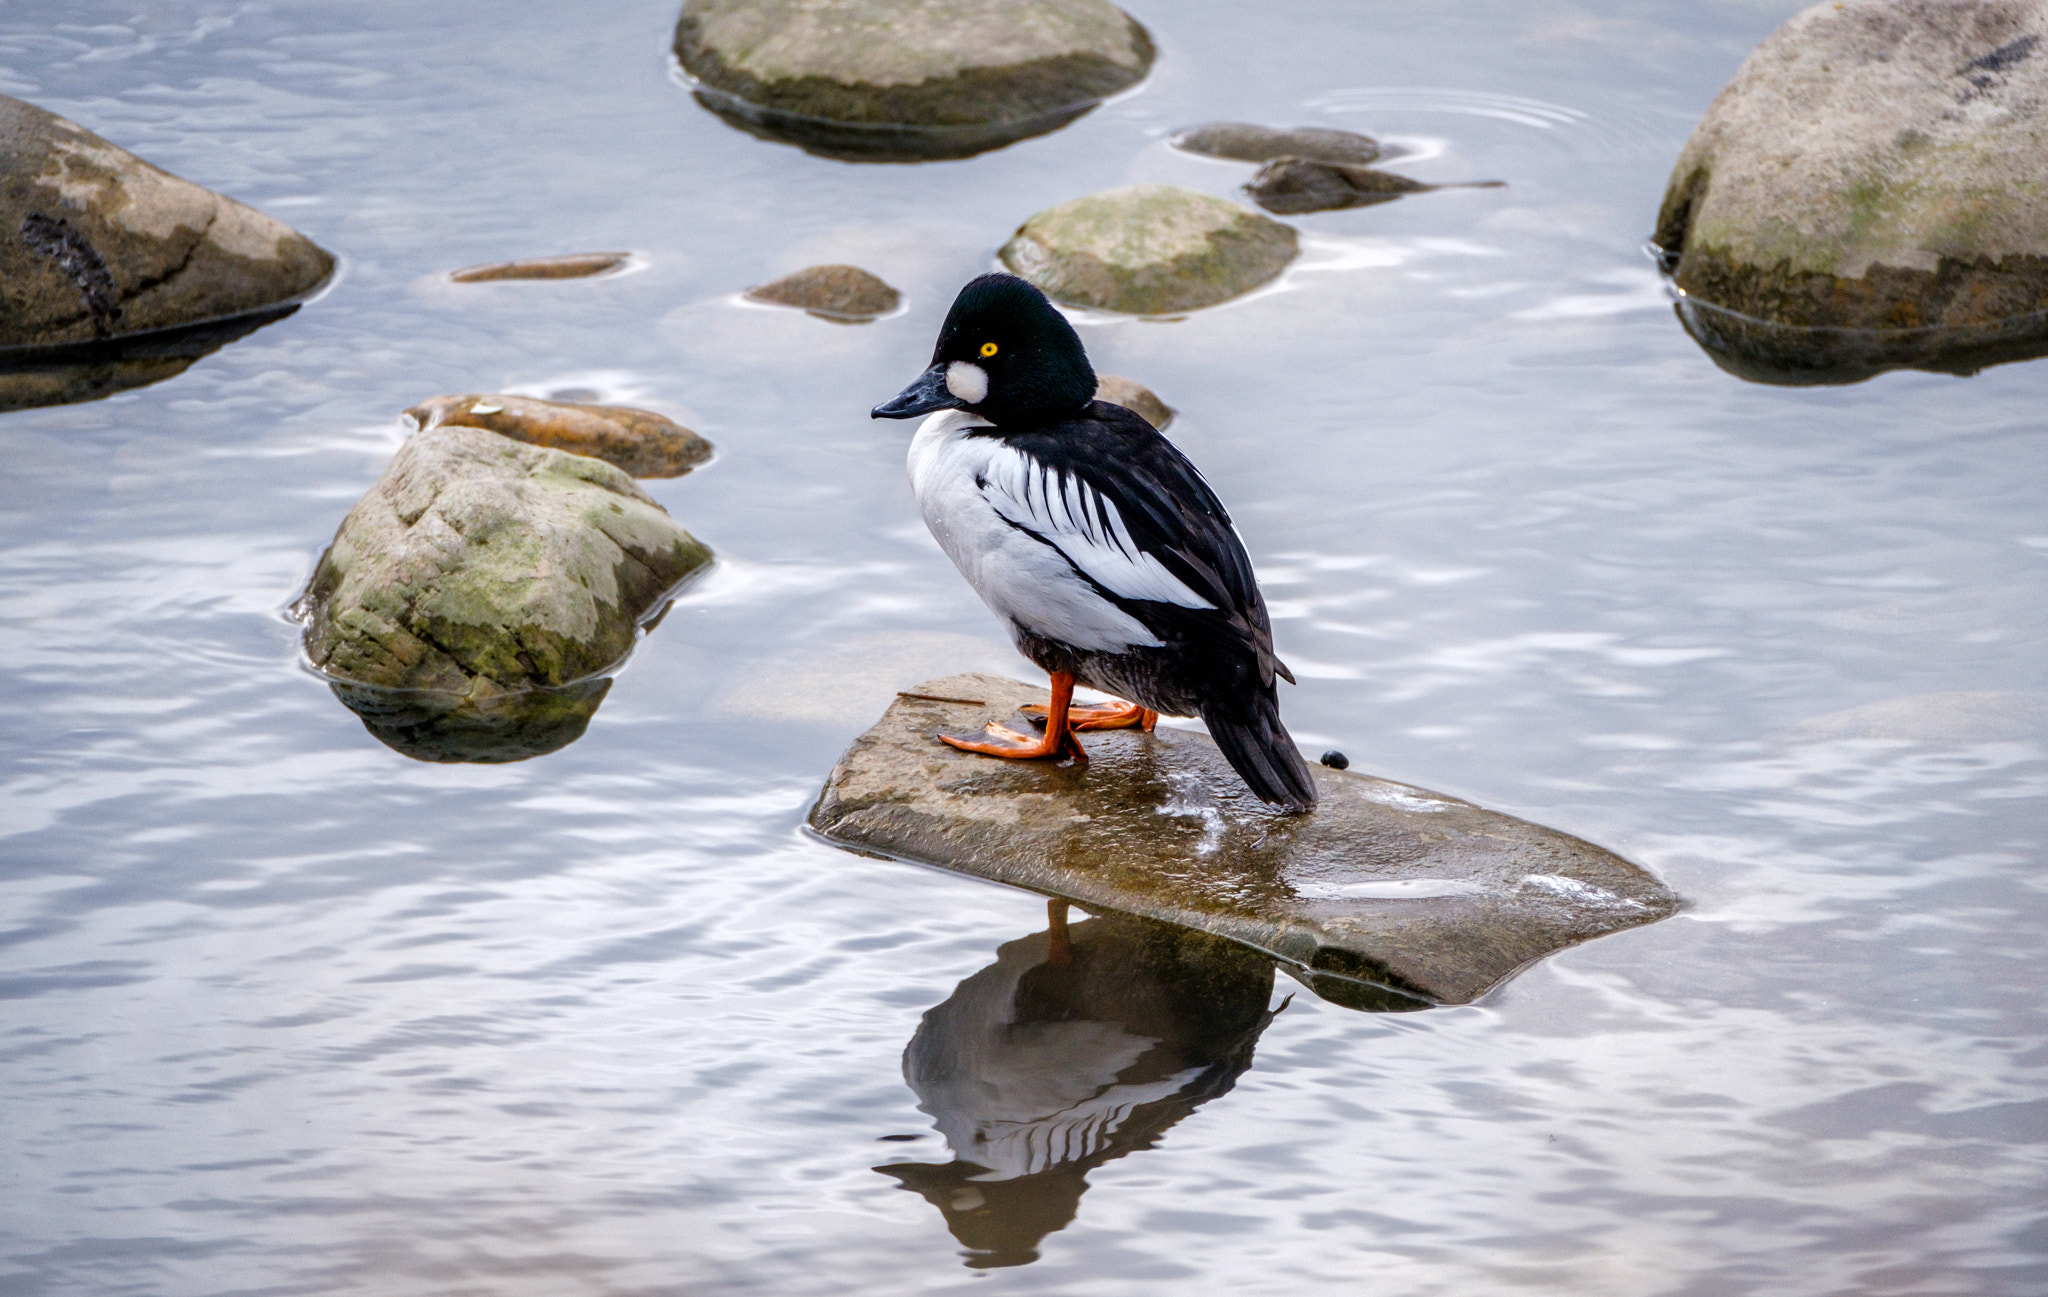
(1131, 514)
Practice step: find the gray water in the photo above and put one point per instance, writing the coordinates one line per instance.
(290, 1013)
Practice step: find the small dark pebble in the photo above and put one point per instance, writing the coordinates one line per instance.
(841, 294)
(1245, 142)
(1293, 186)
(897, 1139)
(1336, 760)
(577, 265)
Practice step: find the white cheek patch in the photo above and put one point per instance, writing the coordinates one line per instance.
(968, 382)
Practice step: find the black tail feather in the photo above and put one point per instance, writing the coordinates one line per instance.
(1258, 747)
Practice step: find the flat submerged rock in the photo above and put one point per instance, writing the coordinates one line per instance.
(1385, 897)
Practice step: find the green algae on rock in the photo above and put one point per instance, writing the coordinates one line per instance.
(482, 578)
(641, 442)
(907, 80)
(1149, 250)
(97, 245)
(1866, 194)
(1386, 896)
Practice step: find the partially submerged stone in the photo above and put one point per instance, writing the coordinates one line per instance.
(1866, 195)
(1294, 186)
(841, 294)
(1245, 142)
(481, 583)
(905, 80)
(1386, 896)
(575, 265)
(641, 442)
(1149, 250)
(97, 245)
(1135, 397)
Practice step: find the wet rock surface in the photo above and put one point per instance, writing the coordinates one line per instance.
(1245, 142)
(1865, 195)
(98, 245)
(1135, 397)
(1044, 1065)
(479, 584)
(575, 265)
(1149, 250)
(1294, 186)
(1386, 896)
(841, 294)
(641, 442)
(905, 80)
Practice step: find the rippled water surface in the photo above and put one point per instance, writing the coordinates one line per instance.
(290, 1013)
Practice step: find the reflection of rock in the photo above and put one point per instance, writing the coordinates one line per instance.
(1148, 250)
(1292, 186)
(1038, 1072)
(1386, 896)
(1135, 397)
(89, 371)
(483, 725)
(903, 80)
(1866, 195)
(96, 244)
(842, 294)
(576, 265)
(641, 442)
(477, 566)
(1244, 142)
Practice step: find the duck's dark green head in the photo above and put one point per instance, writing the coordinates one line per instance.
(1004, 354)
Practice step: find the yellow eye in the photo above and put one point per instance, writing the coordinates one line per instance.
(988, 349)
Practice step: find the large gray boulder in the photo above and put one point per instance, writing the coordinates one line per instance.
(483, 583)
(1867, 193)
(1149, 250)
(1386, 896)
(98, 245)
(907, 79)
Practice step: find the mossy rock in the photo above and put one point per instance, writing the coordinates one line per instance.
(1871, 191)
(477, 565)
(907, 79)
(1149, 250)
(97, 245)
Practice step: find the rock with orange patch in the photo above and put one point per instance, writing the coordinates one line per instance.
(641, 442)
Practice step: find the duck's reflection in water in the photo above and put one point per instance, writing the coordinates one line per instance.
(1051, 1061)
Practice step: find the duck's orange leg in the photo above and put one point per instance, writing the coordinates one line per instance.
(1058, 738)
(1104, 716)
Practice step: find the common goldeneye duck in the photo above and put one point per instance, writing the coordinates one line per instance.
(1095, 541)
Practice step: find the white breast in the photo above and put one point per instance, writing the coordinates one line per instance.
(1022, 579)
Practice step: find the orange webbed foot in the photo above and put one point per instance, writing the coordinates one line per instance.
(1103, 716)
